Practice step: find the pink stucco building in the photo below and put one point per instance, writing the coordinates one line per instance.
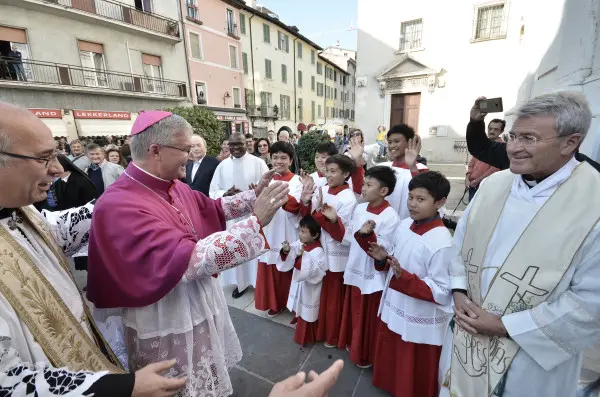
(213, 47)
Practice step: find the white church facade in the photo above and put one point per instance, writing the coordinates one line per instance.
(424, 63)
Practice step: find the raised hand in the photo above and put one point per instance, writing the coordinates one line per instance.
(149, 381)
(412, 151)
(329, 212)
(285, 247)
(270, 200)
(367, 228)
(264, 182)
(319, 385)
(395, 266)
(377, 251)
(308, 189)
(356, 149)
(476, 113)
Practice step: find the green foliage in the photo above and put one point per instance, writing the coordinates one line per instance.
(307, 147)
(205, 123)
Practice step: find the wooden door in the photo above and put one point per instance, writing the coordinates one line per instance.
(405, 110)
(397, 110)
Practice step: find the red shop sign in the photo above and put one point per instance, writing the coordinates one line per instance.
(47, 113)
(96, 114)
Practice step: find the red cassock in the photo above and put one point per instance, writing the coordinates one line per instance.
(406, 369)
(273, 285)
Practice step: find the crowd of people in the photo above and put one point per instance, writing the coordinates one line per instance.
(360, 254)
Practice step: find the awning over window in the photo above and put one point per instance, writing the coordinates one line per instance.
(57, 126)
(103, 127)
(91, 47)
(13, 35)
(150, 60)
(302, 127)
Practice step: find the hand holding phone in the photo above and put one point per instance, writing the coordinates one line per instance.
(492, 105)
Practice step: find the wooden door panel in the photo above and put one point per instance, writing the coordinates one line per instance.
(412, 104)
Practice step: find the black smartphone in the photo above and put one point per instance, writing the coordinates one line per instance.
(492, 105)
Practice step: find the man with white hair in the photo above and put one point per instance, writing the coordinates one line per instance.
(157, 247)
(201, 168)
(237, 173)
(49, 342)
(525, 284)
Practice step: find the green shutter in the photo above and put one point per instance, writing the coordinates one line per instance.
(245, 62)
(242, 23)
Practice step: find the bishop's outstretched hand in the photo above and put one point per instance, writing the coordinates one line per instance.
(269, 201)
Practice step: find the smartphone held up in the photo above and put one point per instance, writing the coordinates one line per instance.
(491, 105)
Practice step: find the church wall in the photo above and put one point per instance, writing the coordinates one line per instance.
(541, 52)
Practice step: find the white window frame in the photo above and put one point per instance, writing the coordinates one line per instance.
(299, 49)
(283, 41)
(271, 64)
(504, 23)
(269, 36)
(187, 11)
(190, 33)
(412, 45)
(232, 22)
(94, 78)
(205, 92)
(313, 57)
(237, 62)
(239, 96)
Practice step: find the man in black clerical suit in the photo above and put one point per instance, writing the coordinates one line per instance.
(200, 169)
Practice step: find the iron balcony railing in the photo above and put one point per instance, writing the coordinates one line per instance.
(232, 29)
(262, 111)
(125, 13)
(29, 71)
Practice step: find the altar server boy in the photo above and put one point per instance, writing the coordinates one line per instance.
(272, 280)
(307, 258)
(373, 221)
(416, 305)
(333, 212)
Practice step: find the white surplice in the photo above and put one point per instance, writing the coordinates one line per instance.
(305, 290)
(239, 173)
(344, 203)
(428, 257)
(283, 227)
(360, 269)
(19, 351)
(399, 197)
(553, 335)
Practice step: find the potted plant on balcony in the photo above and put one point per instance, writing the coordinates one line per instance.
(173, 28)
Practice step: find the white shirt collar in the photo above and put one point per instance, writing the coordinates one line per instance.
(152, 175)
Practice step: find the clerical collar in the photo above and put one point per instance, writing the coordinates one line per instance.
(158, 185)
(378, 209)
(335, 190)
(425, 225)
(400, 164)
(311, 246)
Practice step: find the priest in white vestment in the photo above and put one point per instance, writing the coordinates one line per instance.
(525, 286)
(234, 174)
(49, 344)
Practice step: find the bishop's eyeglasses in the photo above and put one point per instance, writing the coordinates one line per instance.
(42, 160)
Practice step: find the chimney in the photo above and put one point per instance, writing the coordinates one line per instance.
(295, 29)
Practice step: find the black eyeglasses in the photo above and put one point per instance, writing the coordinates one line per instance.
(46, 160)
(186, 149)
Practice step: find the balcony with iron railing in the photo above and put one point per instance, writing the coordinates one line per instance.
(54, 76)
(232, 30)
(268, 112)
(110, 11)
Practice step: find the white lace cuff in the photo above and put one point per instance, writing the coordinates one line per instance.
(238, 205)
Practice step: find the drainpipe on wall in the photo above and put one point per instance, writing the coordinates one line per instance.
(186, 50)
(295, 94)
(252, 62)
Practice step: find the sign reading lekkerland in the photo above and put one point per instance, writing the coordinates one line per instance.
(96, 114)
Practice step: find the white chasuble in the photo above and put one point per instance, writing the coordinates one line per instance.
(550, 304)
(239, 173)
